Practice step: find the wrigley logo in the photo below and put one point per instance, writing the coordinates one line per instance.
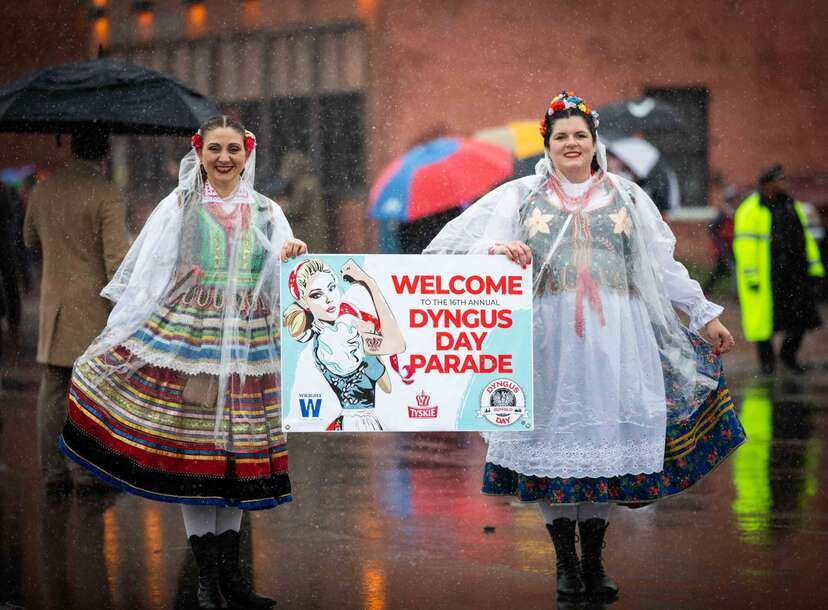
(423, 410)
(310, 405)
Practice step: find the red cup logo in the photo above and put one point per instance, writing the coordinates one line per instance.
(423, 410)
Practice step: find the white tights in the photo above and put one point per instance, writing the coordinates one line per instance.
(575, 512)
(200, 520)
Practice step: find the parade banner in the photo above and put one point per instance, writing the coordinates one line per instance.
(406, 343)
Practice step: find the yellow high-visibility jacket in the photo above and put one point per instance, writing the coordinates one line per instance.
(752, 251)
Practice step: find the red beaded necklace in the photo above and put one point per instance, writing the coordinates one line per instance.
(569, 203)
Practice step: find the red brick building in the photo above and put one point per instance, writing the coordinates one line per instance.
(355, 82)
(37, 34)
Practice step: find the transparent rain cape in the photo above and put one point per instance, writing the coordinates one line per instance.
(626, 255)
(198, 293)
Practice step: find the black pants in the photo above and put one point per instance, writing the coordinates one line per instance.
(790, 346)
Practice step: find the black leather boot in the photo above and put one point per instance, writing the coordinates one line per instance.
(206, 551)
(567, 569)
(234, 585)
(592, 569)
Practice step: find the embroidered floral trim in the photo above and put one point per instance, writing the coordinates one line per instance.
(590, 459)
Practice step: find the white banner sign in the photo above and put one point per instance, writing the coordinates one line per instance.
(406, 342)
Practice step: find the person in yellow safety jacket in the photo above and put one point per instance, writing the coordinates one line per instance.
(777, 260)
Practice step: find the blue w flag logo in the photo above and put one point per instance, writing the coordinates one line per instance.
(310, 406)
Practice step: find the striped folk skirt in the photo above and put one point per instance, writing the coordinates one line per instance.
(693, 448)
(133, 430)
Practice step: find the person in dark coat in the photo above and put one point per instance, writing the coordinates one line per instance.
(9, 269)
(777, 263)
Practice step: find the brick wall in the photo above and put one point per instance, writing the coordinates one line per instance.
(37, 34)
(468, 64)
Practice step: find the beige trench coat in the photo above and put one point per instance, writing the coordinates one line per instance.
(76, 218)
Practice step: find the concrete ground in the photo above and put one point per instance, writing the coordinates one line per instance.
(391, 521)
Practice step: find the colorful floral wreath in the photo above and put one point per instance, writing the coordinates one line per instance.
(197, 141)
(563, 101)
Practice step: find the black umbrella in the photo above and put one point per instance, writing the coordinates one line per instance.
(109, 94)
(647, 115)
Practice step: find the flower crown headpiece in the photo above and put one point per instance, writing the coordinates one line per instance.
(197, 141)
(563, 101)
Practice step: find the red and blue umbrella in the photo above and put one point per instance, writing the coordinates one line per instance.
(437, 176)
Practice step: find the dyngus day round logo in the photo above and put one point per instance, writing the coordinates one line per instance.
(502, 402)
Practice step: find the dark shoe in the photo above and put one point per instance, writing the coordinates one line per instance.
(236, 588)
(59, 487)
(592, 568)
(92, 487)
(568, 571)
(207, 554)
(793, 366)
(767, 358)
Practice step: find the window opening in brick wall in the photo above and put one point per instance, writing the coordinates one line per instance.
(686, 153)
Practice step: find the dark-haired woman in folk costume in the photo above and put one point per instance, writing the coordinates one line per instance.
(630, 406)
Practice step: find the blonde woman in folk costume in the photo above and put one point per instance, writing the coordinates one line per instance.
(346, 342)
(630, 406)
(178, 399)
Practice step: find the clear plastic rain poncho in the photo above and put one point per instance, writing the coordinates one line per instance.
(612, 361)
(198, 293)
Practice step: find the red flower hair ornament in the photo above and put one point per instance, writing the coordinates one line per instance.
(197, 141)
(249, 141)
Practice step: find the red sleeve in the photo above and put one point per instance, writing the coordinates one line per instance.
(350, 310)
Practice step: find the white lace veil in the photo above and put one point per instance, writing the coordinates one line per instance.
(171, 263)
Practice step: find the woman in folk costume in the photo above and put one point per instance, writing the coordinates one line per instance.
(178, 399)
(615, 372)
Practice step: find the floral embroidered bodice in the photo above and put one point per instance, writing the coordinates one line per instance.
(225, 228)
(579, 244)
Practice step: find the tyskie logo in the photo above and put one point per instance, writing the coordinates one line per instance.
(423, 410)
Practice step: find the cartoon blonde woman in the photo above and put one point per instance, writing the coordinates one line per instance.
(347, 342)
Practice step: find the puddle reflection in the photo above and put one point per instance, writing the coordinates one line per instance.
(776, 473)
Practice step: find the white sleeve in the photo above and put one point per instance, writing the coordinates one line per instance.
(503, 225)
(683, 291)
(144, 276)
(494, 218)
(150, 261)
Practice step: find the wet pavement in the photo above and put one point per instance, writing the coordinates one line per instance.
(390, 521)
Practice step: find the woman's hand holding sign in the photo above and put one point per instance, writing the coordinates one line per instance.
(291, 248)
(517, 251)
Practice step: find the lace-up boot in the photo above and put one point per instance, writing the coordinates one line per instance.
(592, 568)
(568, 571)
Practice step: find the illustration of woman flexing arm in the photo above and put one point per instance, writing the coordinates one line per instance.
(347, 342)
